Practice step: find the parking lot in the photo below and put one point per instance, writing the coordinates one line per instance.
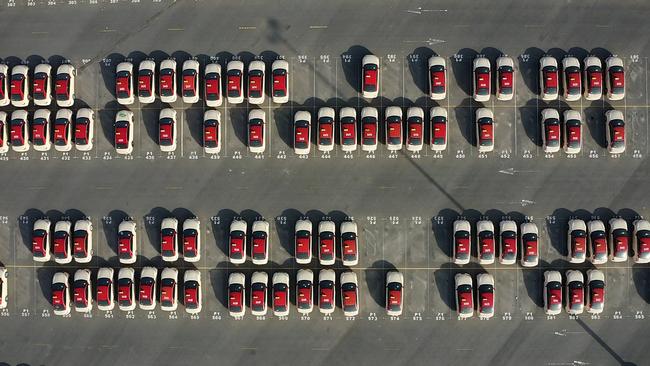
(403, 203)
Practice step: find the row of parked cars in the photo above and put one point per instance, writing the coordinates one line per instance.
(601, 245)
(63, 132)
(150, 289)
(15, 87)
(553, 139)
(162, 81)
(575, 292)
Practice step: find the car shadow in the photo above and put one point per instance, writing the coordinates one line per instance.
(221, 228)
(152, 222)
(26, 226)
(529, 68)
(444, 278)
(465, 118)
(108, 66)
(285, 227)
(530, 119)
(351, 65)
(594, 119)
(420, 70)
(461, 66)
(376, 280)
(556, 228)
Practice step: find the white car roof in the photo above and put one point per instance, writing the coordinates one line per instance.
(240, 225)
(414, 112)
(126, 225)
(280, 64)
(326, 275)
(236, 278)
(304, 224)
(347, 112)
(281, 277)
(394, 276)
(126, 272)
(63, 226)
(348, 226)
(168, 64)
(235, 64)
(305, 275)
(617, 223)
(124, 66)
(192, 275)
(550, 113)
(257, 113)
(484, 112)
(349, 277)
(302, 115)
(42, 113)
(481, 62)
(212, 114)
(82, 274)
(574, 275)
(256, 65)
(484, 225)
(168, 113)
(191, 64)
(147, 65)
(64, 113)
(577, 224)
(508, 225)
(42, 224)
(370, 59)
(326, 226)
(437, 60)
(262, 277)
(463, 279)
(393, 111)
(369, 112)
(529, 227)
(484, 279)
(213, 67)
(169, 273)
(85, 113)
(192, 223)
(326, 112)
(150, 272)
(462, 225)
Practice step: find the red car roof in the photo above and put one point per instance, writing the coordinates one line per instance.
(191, 295)
(122, 84)
(573, 79)
(550, 79)
(617, 79)
(349, 246)
(188, 82)
(326, 296)
(486, 300)
(302, 134)
(486, 132)
(505, 79)
(122, 135)
(236, 245)
(235, 299)
(395, 129)
(280, 298)
(256, 132)
(348, 130)
(579, 244)
(167, 81)
(167, 293)
(189, 243)
(465, 300)
(552, 132)
(370, 77)
(350, 298)
(303, 245)
(233, 82)
(369, 130)
(531, 247)
(61, 87)
(259, 245)
(81, 131)
(439, 130)
(40, 85)
(599, 245)
(60, 246)
(437, 78)
(326, 246)
(124, 245)
(462, 245)
(212, 86)
(325, 130)
(279, 82)
(166, 131)
(255, 83)
(144, 82)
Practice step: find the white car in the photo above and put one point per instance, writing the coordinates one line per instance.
(256, 131)
(169, 239)
(127, 243)
(19, 86)
(41, 130)
(256, 82)
(439, 130)
(462, 246)
(508, 235)
(529, 244)
(192, 240)
(212, 131)
(303, 241)
(147, 82)
(349, 293)
(505, 78)
(370, 76)
(348, 129)
(147, 290)
(64, 85)
(61, 247)
(349, 243)
(485, 296)
(597, 242)
(437, 78)
(105, 291)
(551, 130)
(280, 75)
(235, 83)
(572, 131)
(3, 288)
(369, 128)
(4, 85)
(305, 291)
(485, 241)
(190, 87)
(619, 238)
(572, 79)
(212, 93)
(414, 129)
(237, 294)
(641, 241)
(82, 241)
(484, 130)
(280, 295)
(192, 297)
(552, 292)
(482, 79)
(394, 293)
(593, 78)
(124, 132)
(259, 293)
(63, 130)
(302, 132)
(82, 287)
(124, 83)
(548, 78)
(126, 289)
(84, 129)
(615, 78)
(575, 292)
(260, 242)
(326, 243)
(595, 291)
(326, 118)
(464, 294)
(577, 241)
(169, 289)
(393, 134)
(41, 240)
(326, 291)
(4, 130)
(61, 293)
(41, 85)
(237, 239)
(167, 130)
(615, 121)
(167, 81)
(19, 131)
